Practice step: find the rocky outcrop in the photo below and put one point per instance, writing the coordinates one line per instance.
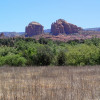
(61, 26)
(34, 28)
(2, 35)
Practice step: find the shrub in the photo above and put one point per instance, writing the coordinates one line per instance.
(5, 50)
(43, 41)
(28, 54)
(15, 51)
(61, 58)
(15, 60)
(43, 57)
(2, 61)
(83, 55)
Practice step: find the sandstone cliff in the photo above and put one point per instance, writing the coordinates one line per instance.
(61, 26)
(34, 28)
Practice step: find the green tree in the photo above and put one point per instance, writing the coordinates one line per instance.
(43, 57)
(61, 58)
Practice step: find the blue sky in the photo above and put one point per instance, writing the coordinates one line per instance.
(15, 15)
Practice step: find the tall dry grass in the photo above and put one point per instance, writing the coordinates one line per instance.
(50, 83)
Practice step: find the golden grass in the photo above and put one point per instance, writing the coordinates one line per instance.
(50, 83)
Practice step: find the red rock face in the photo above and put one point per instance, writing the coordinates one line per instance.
(61, 26)
(34, 28)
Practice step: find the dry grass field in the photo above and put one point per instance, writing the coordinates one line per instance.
(50, 83)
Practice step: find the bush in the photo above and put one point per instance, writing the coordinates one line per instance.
(43, 41)
(5, 50)
(83, 55)
(2, 61)
(43, 56)
(15, 60)
(28, 54)
(15, 51)
(61, 58)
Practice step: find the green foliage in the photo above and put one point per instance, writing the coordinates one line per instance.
(7, 42)
(30, 40)
(94, 41)
(44, 41)
(83, 55)
(43, 56)
(61, 58)
(2, 61)
(5, 50)
(28, 51)
(15, 60)
(28, 54)
(75, 42)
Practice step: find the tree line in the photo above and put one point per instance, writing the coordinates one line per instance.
(46, 52)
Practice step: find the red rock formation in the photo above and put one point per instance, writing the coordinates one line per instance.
(61, 26)
(34, 28)
(2, 35)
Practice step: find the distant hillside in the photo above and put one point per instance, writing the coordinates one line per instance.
(85, 31)
(13, 34)
(93, 29)
(47, 30)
